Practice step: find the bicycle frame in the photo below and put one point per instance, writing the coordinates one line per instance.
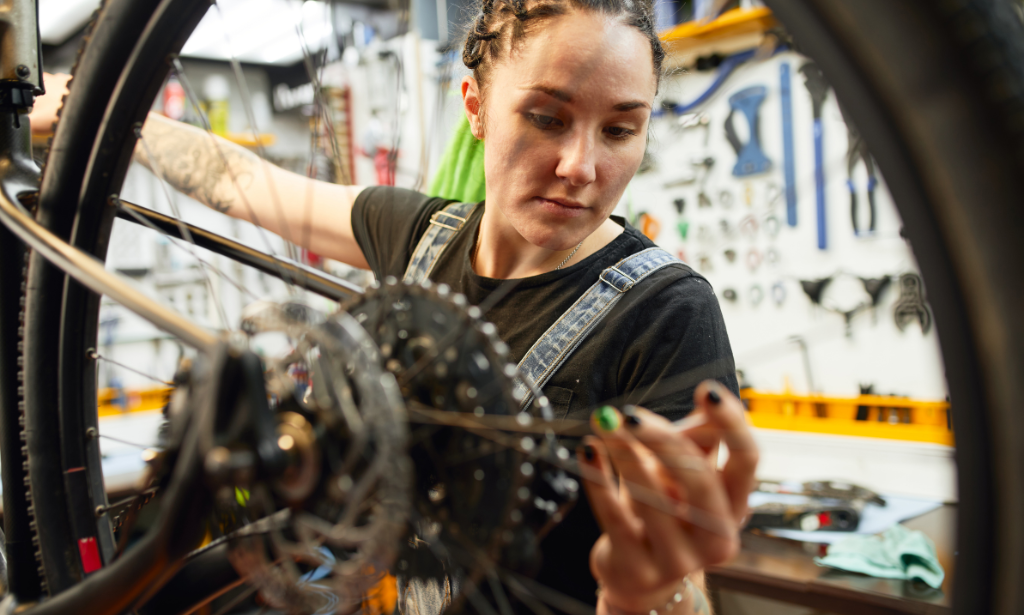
(832, 31)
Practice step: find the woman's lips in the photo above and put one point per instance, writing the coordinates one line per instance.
(566, 209)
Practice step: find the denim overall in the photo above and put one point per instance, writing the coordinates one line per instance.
(420, 597)
(562, 338)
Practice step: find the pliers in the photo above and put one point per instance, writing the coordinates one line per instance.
(856, 150)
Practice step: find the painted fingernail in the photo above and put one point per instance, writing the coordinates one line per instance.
(589, 452)
(632, 419)
(714, 397)
(607, 418)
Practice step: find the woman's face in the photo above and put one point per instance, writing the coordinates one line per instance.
(565, 125)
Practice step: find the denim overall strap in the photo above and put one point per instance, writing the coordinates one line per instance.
(443, 226)
(572, 327)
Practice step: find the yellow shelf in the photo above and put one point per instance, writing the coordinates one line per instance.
(730, 23)
(733, 31)
(892, 418)
(138, 400)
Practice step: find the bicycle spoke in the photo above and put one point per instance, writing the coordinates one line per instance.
(95, 356)
(243, 87)
(190, 93)
(323, 111)
(126, 501)
(174, 241)
(158, 171)
(129, 443)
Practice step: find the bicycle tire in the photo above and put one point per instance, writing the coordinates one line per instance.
(63, 502)
(964, 259)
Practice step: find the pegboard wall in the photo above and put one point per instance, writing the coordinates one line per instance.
(739, 238)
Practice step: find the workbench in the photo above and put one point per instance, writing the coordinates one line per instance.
(784, 570)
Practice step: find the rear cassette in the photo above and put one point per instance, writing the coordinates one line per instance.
(474, 492)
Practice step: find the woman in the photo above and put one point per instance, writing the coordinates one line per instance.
(561, 94)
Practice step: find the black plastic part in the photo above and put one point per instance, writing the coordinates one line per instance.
(814, 288)
(875, 287)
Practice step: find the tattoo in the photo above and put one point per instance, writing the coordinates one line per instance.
(190, 162)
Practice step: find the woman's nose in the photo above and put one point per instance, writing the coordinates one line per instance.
(577, 164)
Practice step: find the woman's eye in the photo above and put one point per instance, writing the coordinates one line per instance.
(619, 132)
(544, 122)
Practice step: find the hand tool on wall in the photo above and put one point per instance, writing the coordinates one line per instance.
(696, 120)
(814, 79)
(750, 160)
(756, 295)
(725, 199)
(788, 163)
(874, 287)
(857, 149)
(648, 225)
(753, 259)
(815, 288)
(911, 304)
(779, 293)
(703, 167)
(680, 205)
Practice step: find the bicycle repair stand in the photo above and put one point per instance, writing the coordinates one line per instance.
(21, 80)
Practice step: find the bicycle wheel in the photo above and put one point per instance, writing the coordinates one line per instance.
(960, 208)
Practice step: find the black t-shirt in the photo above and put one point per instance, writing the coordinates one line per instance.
(660, 340)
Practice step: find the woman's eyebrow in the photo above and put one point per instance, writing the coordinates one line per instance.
(633, 104)
(565, 97)
(561, 95)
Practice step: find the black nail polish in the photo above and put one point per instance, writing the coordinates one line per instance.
(714, 397)
(631, 416)
(589, 453)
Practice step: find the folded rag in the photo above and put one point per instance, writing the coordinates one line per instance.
(460, 174)
(896, 553)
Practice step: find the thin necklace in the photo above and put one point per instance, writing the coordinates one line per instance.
(476, 248)
(567, 258)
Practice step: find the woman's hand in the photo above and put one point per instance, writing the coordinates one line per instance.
(673, 512)
(44, 111)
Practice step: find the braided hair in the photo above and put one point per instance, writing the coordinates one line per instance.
(501, 25)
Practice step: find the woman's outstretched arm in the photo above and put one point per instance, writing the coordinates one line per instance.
(233, 180)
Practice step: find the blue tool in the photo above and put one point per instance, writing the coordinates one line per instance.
(814, 79)
(789, 165)
(750, 159)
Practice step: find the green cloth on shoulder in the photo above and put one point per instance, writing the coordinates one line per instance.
(460, 175)
(897, 553)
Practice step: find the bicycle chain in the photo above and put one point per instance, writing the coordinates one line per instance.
(146, 498)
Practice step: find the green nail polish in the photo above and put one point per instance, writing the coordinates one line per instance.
(607, 418)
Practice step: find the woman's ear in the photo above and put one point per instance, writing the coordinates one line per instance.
(473, 104)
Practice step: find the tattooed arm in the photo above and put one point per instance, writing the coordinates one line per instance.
(234, 181)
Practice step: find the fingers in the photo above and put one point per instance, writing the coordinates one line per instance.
(689, 467)
(725, 412)
(653, 497)
(611, 513)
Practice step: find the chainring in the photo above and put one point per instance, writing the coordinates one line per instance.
(470, 489)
